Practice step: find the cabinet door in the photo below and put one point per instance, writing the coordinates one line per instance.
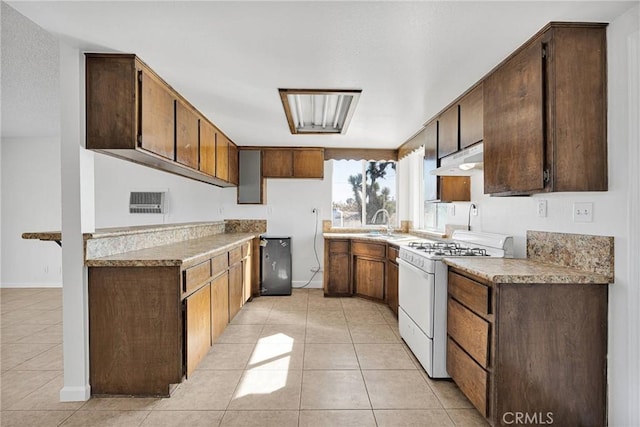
(236, 290)
(369, 277)
(233, 163)
(337, 264)
(471, 117)
(219, 305)
(514, 125)
(187, 138)
(392, 286)
(222, 156)
(277, 163)
(308, 163)
(430, 161)
(247, 274)
(157, 123)
(455, 188)
(207, 148)
(448, 132)
(198, 327)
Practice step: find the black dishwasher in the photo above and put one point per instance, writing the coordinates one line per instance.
(275, 265)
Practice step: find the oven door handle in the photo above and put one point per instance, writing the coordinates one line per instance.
(412, 267)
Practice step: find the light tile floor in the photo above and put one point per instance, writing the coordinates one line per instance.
(302, 360)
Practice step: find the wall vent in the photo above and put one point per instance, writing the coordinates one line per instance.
(146, 202)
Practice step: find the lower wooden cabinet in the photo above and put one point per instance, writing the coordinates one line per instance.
(369, 266)
(529, 348)
(219, 305)
(197, 326)
(337, 262)
(151, 326)
(391, 286)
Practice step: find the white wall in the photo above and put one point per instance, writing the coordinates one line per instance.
(187, 200)
(30, 202)
(288, 212)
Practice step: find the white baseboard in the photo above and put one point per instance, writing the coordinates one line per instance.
(31, 285)
(75, 394)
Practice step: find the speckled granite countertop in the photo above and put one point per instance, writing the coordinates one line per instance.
(185, 253)
(517, 271)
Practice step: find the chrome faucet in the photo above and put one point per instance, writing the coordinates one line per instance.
(375, 216)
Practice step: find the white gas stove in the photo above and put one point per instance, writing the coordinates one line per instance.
(422, 290)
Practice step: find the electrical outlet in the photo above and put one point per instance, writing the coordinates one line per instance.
(583, 212)
(315, 211)
(451, 209)
(474, 209)
(541, 208)
(220, 210)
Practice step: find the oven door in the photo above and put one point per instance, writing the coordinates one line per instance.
(416, 293)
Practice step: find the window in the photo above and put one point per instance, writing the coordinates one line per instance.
(355, 198)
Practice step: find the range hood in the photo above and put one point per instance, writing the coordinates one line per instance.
(464, 162)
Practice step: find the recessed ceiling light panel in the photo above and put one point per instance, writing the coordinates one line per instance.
(319, 111)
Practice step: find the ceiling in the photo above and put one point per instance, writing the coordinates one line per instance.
(229, 58)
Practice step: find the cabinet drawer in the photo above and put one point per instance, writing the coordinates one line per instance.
(470, 293)
(196, 276)
(235, 255)
(392, 253)
(338, 246)
(468, 330)
(468, 375)
(368, 249)
(220, 263)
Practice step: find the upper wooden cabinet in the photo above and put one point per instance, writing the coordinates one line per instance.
(187, 136)
(448, 132)
(545, 114)
(277, 163)
(293, 162)
(471, 130)
(308, 163)
(233, 163)
(222, 156)
(132, 114)
(208, 148)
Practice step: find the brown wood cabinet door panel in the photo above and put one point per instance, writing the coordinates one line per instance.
(376, 250)
(578, 60)
(554, 336)
(392, 253)
(110, 90)
(235, 255)
(369, 277)
(207, 148)
(470, 331)
(468, 375)
(277, 163)
(198, 327)
(455, 188)
(157, 116)
(236, 290)
(187, 136)
(338, 246)
(195, 276)
(448, 132)
(470, 293)
(308, 163)
(135, 330)
(392, 286)
(471, 118)
(338, 273)
(247, 279)
(234, 175)
(514, 142)
(222, 156)
(219, 305)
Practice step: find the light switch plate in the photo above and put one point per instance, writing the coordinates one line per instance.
(541, 208)
(583, 212)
